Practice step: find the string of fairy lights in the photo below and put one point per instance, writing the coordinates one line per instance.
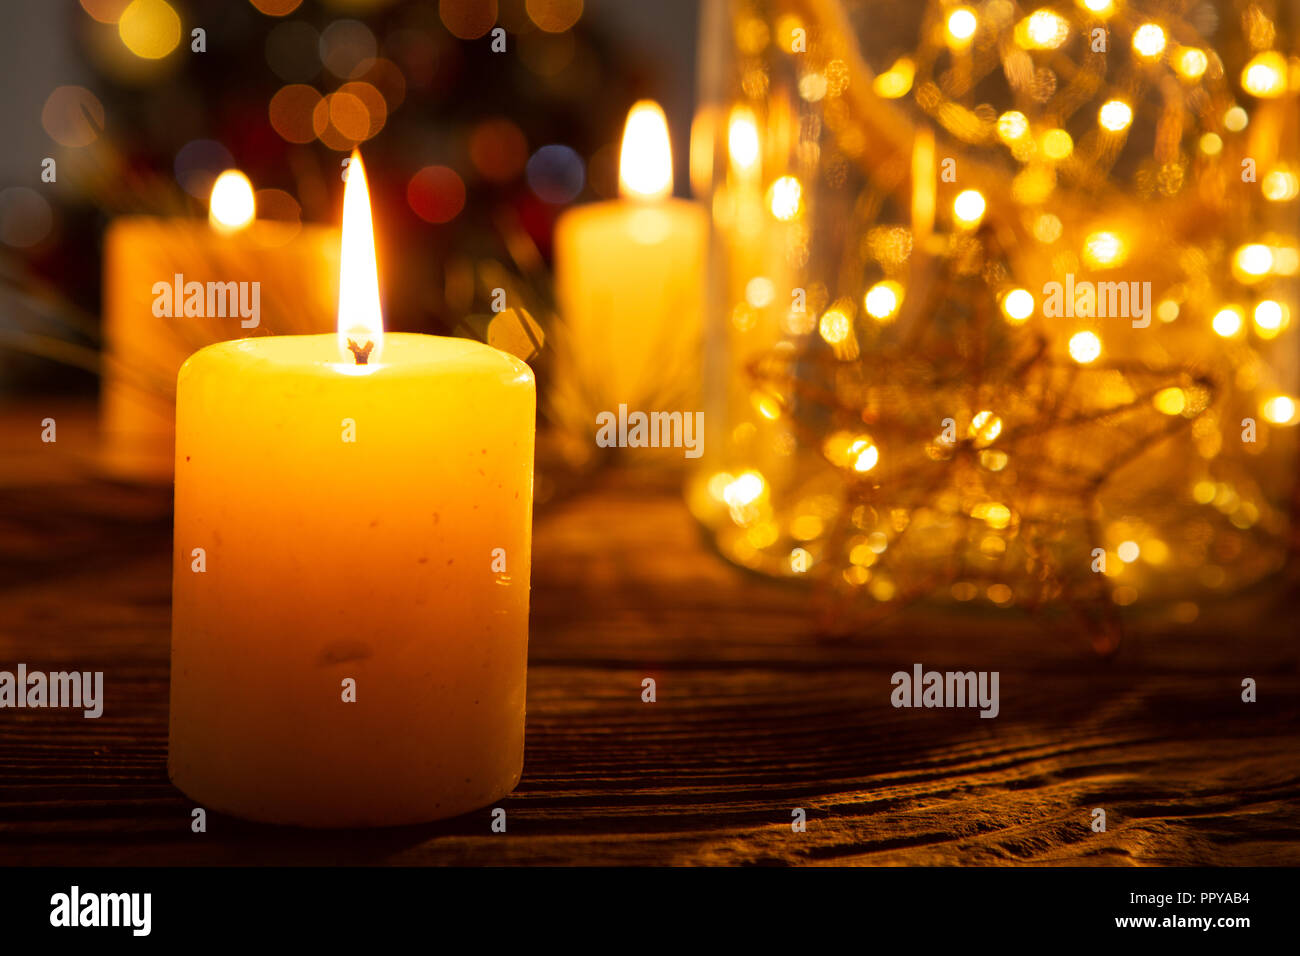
(920, 207)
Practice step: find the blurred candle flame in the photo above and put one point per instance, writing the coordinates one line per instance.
(360, 318)
(231, 206)
(645, 165)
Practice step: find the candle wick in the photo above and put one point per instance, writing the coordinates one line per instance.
(361, 352)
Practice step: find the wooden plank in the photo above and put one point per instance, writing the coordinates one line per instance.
(757, 713)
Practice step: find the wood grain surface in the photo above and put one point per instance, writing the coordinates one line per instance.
(758, 712)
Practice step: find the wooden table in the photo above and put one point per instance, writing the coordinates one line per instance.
(757, 714)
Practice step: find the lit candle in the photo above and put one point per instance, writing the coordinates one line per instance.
(629, 277)
(352, 552)
(158, 310)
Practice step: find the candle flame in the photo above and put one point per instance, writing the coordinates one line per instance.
(645, 165)
(231, 206)
(361, 323)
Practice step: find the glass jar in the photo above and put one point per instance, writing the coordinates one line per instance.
(1001, 299)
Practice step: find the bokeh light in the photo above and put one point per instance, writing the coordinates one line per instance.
(468, 19)
(372, 99)
(1085, 347)
(291, 111)
(554, 16)
(73, 116)
(883, 300)
(346, 45)
(961, 27)
(1115, 115)
(105, 11)
(149, 28)
(276, 8)
(436, 194)
(498, 149)
(1018, 305)
(1149, 40)
(968, 207)
(25, 217)
(556, 174)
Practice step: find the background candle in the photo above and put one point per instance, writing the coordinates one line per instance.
(366, 523)
(629, 277)
(296, 266)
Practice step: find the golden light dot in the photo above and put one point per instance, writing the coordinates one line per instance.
(1211, 144)
(1000, 594)
(785, 198)
(865, 455)
(1149, 40)
(1170, 401)
(878, 542)
(150, 28)
(1155, 551)
(1101, 7)
(1104, 248)
(883, 299)
(993, 459)
(806, 527)
(993, 513)
(1190, 62)
(853, 450)
(1280, 410)
(742, 139)
(1271, 317)
(1253, 259)
(1203, 492)
(759, 292)
(1018, 305)
(1235, 119)
(1115, 115)
(1167, 310)
(882, 589)
(968, 207)
(961, 26)
(895, 81)
(1085, 347)
(812, 87)
(985, 427)
(862, 555)
(1280, 185)
(231, 206)
(1012, 126)
(1265, 75)
(1227, 322)
(1047, 228)
(834, 326)
(554, 16)
(1042, 30)
(1128, 551)
(1057, 144)
(744, 490)
(964, 591)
